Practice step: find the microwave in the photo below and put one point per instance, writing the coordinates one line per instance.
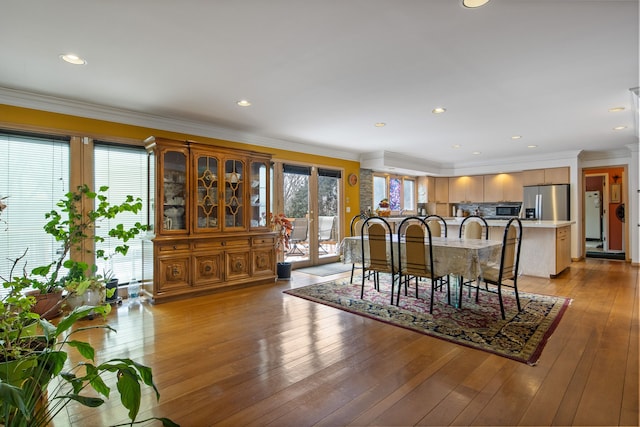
(507, 211)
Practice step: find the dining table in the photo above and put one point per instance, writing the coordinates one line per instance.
(453, 256)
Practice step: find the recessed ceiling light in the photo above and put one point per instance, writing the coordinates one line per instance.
(380, 124)
(72, 59)
(616, 109)
(532, 146)
(476, 153)
(516, 137)
(243, 103)
(455, 146)
(471, 4)
(438, 110)
(619, 127)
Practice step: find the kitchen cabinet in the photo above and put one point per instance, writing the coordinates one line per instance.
(437, 189)
(466, 189)
(503, 187)
(558, 175)
(208, 219)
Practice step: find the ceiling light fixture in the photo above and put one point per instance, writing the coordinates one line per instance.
(455, 146)
(616, 109)
(532, 146)
(619, 127)
(516, 137)
(476, 153)
(438, 110)
(472, 4)
(380, 124)
(72, 59)
(243, 103)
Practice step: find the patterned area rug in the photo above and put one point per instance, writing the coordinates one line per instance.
(520, 337)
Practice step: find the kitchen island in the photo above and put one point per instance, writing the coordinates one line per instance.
(546, 245)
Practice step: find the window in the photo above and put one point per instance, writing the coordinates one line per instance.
(34, 175)
(124, 170)
(399, 190)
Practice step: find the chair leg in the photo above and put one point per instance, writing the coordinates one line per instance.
(500, 299)
(353, 268)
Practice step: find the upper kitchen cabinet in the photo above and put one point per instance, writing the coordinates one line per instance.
(466, 189)
(546, 176)
(438, 190)
(503, 187)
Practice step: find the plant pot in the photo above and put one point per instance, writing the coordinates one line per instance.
(284, 270)
(48, 306)
(112, 284)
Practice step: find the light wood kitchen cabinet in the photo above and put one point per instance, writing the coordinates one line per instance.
(437, 189)
(466, 189)
(209, 209)
(503, 187)
(563, 249)
(546, 176)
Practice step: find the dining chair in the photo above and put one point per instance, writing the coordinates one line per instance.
(355, 227)
(436, 224)
(471, 227)
(507, 269)
(298, 235)
(376, 238)
(416, 260)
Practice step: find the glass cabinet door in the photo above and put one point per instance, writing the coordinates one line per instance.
(234, 199)
(258, 194)
(207, 184)
(174, 191)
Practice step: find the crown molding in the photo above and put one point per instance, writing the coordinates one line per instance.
(54, 104)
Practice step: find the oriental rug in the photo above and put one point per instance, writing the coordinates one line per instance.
(521, 336)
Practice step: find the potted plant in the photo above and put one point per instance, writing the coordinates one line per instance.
(37, 377)
(282, 226)
(73, 229)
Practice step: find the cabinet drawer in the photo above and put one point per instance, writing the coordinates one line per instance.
(174, 247)
(259, 241)
(221, 244)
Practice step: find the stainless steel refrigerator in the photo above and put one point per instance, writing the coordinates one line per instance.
(547, 202)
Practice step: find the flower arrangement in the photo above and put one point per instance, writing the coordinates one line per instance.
(384, 203)
(281, 225)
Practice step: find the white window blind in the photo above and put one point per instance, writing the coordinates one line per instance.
(34, 175)
(124, 170)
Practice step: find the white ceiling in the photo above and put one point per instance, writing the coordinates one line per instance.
(321, 73)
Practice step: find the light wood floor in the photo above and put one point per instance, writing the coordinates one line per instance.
(255, 356)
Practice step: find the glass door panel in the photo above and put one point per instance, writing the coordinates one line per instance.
(174, 191)
(296, 208)
(207, 183)
(258, 194)
(328, 195)
(233, 194)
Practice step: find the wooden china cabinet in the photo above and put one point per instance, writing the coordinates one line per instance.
(209, 210)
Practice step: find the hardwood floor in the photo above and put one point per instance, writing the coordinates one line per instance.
(256, 356)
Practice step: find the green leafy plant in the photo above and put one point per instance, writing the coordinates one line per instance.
(74, 230)
(37, 377)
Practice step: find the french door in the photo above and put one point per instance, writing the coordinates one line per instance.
(310, 196)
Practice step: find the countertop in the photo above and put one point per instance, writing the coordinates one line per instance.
(525, 223)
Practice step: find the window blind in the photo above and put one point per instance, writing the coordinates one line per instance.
(34, 175)
(124, 170)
